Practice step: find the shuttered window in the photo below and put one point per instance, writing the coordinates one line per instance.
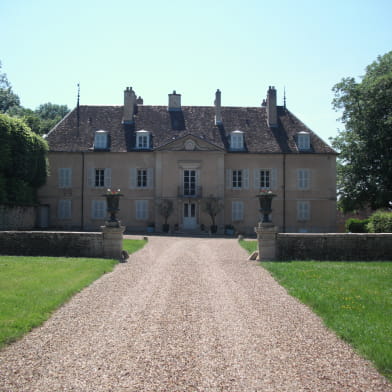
(237, 211)
(64, 210)
(98, 209)
(303, 210)
(65, 177)
(303, 179)
(141, 212)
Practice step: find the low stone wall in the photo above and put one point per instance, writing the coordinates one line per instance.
(17, 218)
(331, 246)
(44, 243)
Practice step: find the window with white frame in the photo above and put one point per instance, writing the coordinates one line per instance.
(101, 140)
(141, 212)
(237, 210)
(303, 179)
(64, 209)
(99, 177)
(141, 178)
(65, 177)
(303, 141)
(237, 179)
(143, 139)
(98, 209)
(265, 178)
(303, 210)
(237, 140)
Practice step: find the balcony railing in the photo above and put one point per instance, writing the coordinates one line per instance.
(190, 193)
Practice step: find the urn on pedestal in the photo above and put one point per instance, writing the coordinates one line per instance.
(265, 200)
(112, 207)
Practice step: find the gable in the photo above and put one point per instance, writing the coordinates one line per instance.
(189, 143)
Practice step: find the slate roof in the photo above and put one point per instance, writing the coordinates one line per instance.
(167, 126)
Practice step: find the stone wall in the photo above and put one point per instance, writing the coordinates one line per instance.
(43, 243)
(17, 218)
(331, 246)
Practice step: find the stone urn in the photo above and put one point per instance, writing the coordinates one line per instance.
(112, 205)
(265, 200)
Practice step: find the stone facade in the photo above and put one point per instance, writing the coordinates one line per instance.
(185, 154)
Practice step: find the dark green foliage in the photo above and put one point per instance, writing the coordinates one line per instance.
(23, 162)
(354, 225)
(8, 99)
(380, 222)
(365, 160)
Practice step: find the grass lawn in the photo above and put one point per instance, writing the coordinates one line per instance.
(31, 288)
(353, 298)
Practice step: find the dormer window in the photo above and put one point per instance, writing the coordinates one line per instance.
(101, 140)
(237, 140)
(143, 140)
(303, 141)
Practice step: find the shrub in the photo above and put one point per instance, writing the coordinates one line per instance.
(380, 222)
(354, 225)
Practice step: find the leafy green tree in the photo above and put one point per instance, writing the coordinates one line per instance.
(365, 145)
(23, 162)
(8, 98)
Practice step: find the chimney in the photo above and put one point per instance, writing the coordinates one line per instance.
(174, 102)
(139, 100)
(217, 103)
(129, 105)
(272, 115)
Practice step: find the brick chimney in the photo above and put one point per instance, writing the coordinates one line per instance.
(272, 115)
(174, 102)
(129, 105)
(217, 103)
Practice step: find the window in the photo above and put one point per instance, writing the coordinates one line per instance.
(303, 141)
(99, 178)
(237, 179)
(98, 209)
(101, 140)
(237, 211)
(65, 177)
(141, 178)
(303, 179)
(237, 140)
(189, 182)
(141, 209)
(64, 209)
(143, 140)
(303, 210)
(265, 178)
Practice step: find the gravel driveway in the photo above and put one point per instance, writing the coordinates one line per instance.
(185, 315)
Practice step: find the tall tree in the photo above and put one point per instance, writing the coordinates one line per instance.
(8, 98)
(365, 145)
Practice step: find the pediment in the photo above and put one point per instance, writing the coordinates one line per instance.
(189, 143)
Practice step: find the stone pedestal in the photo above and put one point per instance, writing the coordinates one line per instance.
(266, 238)
(112, 241)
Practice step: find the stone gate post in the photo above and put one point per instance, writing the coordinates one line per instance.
(266, 238)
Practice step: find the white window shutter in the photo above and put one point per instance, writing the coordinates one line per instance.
(229, 179)
(245, 178)
(256, 178)
(150, 178)
(90, 176)
(309, 174)
(273, 184)
(108, 178)
(133, 178)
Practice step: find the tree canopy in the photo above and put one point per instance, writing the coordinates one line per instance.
(23, 163)
(365, 145)
(40, 120)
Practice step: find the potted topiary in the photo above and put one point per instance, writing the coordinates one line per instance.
(165, 208)
(212, 206)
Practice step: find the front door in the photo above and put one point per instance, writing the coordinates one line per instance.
(190, 215)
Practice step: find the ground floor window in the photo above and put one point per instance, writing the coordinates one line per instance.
(237, 210)
(141, 212)
(303, 210)
(98, 209)
(64, 209)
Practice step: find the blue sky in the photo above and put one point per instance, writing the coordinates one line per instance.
(193, 47)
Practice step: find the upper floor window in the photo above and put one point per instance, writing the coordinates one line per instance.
(101, 140)
(141, 178)
(237, 140)
(65, 177)
(143, 140)
(303, 141)
(303, 179)
(237, 178)
(265, 178)
(100, 177)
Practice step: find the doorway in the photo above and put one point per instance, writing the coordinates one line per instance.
(189, 218)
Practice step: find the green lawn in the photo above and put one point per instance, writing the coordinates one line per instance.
(31, 288)
(353, 298)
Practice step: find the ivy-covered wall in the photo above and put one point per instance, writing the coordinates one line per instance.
(23, 162)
